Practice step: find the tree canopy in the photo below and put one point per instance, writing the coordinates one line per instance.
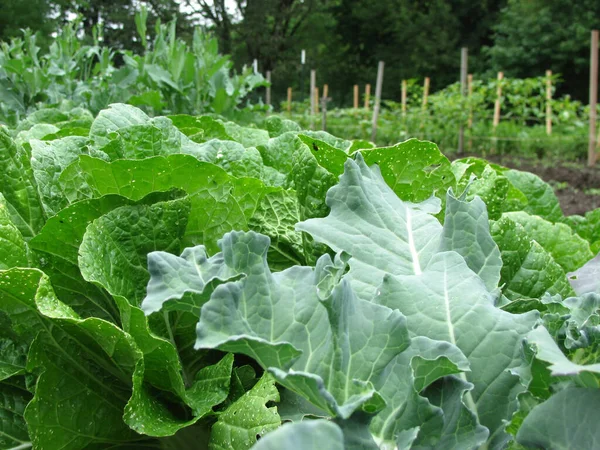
(344, 39)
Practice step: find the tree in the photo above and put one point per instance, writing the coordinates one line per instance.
(19, 14)
(116, 17)
(256, 29)
(535, 35)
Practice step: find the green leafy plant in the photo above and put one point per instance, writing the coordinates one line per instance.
(188, 282)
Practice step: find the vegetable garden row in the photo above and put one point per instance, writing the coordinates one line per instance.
(173, 279)
(187, 282)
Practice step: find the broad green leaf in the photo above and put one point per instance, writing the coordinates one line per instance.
(360, 144)
(295, 408)
(356, 432)
(180, 282)
(158, 137)
(587, 278)
(62, 234)
(329, 139)
(13, 249)
(528, 270)
(460, 429)
(44, 115)
(276, 126)
(276, 216)
(541, 199)
(547, 350)
(289, 156)
(297, 321)
(279, 320)
(207, 126)
(248, 137)
(329, 157)
(383, 234)
(17, 184)
(401, 385)
(587, 227)
(239, 426)
(86, 366)
(116, 116)
(214, 210)
(210, 386)
(94, 372)
(491, 184)
(307, 435)
(114, 248)
(467, 232)
(564, 422)
(48, 160)
(38, 131)
(13, 356)
(449, 302)
(566, 247)
(57, 247)
(415, 170)
(13, 401)
(492, 188)
(232, 157)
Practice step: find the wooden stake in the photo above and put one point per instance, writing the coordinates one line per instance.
(464, 55)
(376, 106)
(324, 112)
(425, 91)
(289, 100)
(316, 100)
(355, 96)
(469, 97)
(548, 102)
(424, 104)
(313, 82)
(404, 92)
(269, 88)
(367, 96)
(498, 99)
(593, 98)
(325, 91)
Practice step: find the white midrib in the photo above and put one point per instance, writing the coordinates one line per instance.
(411, 244)
(468, 397)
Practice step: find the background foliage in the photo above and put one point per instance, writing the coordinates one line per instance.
(344, 39)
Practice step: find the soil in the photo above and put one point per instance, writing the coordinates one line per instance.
(576, 185)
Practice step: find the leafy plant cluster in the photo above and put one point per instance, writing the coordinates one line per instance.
(170, 77)
(522, 128)
(186, 282)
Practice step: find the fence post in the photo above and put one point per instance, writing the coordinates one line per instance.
(376, 106)
(268, 88)
(289, 100)
(316, 99)
(367, 96)
(324, 112)
(498, 100)
(548, 102)
(425, 91)
(464, 55)
(404, 89)
(355, 104)
(313, 82)
(469, 101)
(326, 90)
(593, 98)
(425, 97)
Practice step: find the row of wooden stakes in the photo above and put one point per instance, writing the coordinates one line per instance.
(426, 84)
